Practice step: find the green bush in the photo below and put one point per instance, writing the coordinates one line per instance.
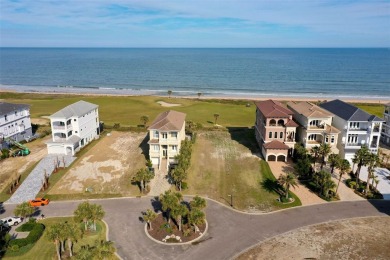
(35, 233)
(184, 185)
(352, 184)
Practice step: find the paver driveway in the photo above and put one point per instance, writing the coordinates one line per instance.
(229, 232)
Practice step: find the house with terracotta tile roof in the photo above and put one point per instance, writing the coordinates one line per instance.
(166, 133)
(315, 125)
(357, 128)
(275, 130)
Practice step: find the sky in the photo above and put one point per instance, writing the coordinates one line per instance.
(194, 23)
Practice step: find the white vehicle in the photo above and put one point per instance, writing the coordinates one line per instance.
(11, 221)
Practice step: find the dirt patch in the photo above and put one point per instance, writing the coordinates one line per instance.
(165, 104)
(107, 167)
(363, 238)
(40, 121)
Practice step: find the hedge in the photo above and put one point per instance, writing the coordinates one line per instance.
(35, 233)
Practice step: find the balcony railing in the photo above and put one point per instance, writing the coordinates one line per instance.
(353, 144)
(358, 129)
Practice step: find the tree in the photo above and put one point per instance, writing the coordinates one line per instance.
(196, 217)
(373, 162)
(144, 120)
(103, 249)
(169, 200)
(216, 116)
(327, 186)
(334, 160)
(73, 234)
(24, 210)
(97, 213)
(54, 234)
(198, 202)
(170, 93)
(344, 167)
(315, 151)
(324, 151)
(142, 177)
(178, 213)
(83, 213)
(199, 94)
(85, 253)
(361, 158)
(323, 180)
(300, 152)
(303, 168)
(287, 180)
(149, 216)
(376, 180)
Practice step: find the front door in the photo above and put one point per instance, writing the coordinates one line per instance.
(165, 153)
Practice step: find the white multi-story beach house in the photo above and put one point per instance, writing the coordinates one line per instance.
(357, 128)
(73, 127)
(315, 125)
(385, 135)
(15, 122)
(166, 133)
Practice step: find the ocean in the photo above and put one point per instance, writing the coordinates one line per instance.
(322, 73)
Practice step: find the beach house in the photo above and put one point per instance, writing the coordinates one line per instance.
(15, 122)
(315, 125)
(275, 130)
(166, 133)
(73, 127)
(385, 135)
(357, 128)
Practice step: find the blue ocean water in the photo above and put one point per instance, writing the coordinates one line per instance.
(357, 73)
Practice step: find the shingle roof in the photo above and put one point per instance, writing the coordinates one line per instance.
(168, 121)
(275, 145)
(308, 109)
(348, 112)
(79, 108)
(272, 108)
(6, 108)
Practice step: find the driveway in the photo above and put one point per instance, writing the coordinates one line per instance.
(383, 176)
(229, 233)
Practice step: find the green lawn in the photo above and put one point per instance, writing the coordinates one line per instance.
(375, 109)
(45, 249)
(226, 163)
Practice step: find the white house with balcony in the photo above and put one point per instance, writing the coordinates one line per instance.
(385, 135)
(166, 133)
(315, 125)
(357, 128)
(73, 127)
(15, 122)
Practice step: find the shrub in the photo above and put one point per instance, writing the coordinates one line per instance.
(184, 185)
(35, 233)
(352, 184)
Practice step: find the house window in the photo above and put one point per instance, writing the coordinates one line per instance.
(276, 135)
(354, 125)
(314, 122)
(5, 117)
(164, 135)
(156, 147)
(327, 139)
(155, 135)
(16, 113)
(174, 147)
(281, 135)
(332, 139)
(352, 139)
(280, 122)
(69, 133)
(174, 135)
(272, 122)
(5, 131)
(74, 120)
(270, 135)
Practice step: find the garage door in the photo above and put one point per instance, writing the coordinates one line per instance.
(281, 158)
(271, 158)
(52, 149)
(155, 161)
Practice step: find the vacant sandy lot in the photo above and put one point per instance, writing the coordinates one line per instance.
(107, 167)
(362, 238)
(14, 166)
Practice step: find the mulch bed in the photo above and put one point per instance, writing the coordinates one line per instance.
(159, 232)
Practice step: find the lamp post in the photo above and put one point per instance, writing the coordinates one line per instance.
(231, 199)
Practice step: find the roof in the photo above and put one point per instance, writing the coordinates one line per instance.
(308, 109)
(272, 108)
(275, 145)
(168, 121)
(6, 108)
(331, 129)
(348, 112)
(79, 108)
(291, 123)
(72, 140)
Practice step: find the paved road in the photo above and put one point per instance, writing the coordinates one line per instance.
(229, 232)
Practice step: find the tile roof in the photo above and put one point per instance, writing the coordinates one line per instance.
(6, 108)
(272, 108)
(291, 123)
(275, 145)
(79, 108)
(308, 109)
(168, 121)
(348, 112)
(331, 130)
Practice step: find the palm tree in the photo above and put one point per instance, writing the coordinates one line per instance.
(199, 94)
(97, 213)
(103, 249)
(333, 160)
(169, 93)
(324, 150)
(142, 177)
(343, 167)
(144, 119)
(149, 216)
(169, 201)
(198, 202)
(74, 233)
(196, 217)
(327, 186)
(315, 151)
(287, 180)
(376, 180)
(216, 116)
(178, 213)
(85, 253)
(83, 213)
(373, 162)
(178, 175)
(362, 158)
(54, 234)
(23, 210)
(321, 178)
